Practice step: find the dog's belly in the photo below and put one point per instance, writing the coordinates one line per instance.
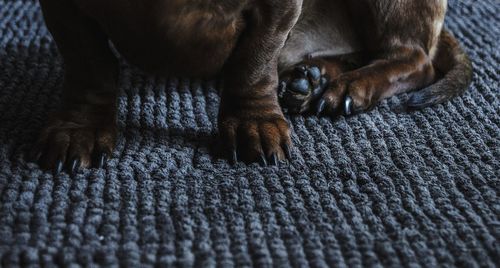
(324, 29)
(163, 38)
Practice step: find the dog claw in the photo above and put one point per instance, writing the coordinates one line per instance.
(59, 167)
(274, 159)
(75, 165)
(348, 105)
(323, 82)
(34, 156)
(321, 107)
(102, 159)
(286, 150)
(234, 157)
(263, 160)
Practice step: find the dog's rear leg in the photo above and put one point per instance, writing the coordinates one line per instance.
(84, 127)
(400, 38)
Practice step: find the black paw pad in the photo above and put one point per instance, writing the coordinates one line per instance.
(300, 87)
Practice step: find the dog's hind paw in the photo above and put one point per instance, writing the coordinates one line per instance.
(300, 87)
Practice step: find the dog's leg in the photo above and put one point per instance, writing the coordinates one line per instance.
(84, 128)
(251, 124)
(400, 38)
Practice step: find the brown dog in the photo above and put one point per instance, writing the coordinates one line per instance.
(339, 55)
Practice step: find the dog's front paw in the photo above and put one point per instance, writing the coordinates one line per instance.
(73, 145)
(255, 136)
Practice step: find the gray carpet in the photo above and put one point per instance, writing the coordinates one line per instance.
(386, 188)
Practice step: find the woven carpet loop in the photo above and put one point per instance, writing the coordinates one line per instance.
(384, 188)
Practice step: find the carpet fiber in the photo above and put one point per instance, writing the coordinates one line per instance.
(385, 188)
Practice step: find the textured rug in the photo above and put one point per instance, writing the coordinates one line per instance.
(385, 188)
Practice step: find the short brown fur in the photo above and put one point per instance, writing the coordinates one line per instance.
(366, 51)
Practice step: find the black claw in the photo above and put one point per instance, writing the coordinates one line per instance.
(300, 86)
(263, 160)
(287, 151)
(59, 167)
(348, 104)
(323, 82)
(274, 159)
(103, 158)
(314, 73)
(321, 107)
(34, 156)
(234, 157)
(75, 165)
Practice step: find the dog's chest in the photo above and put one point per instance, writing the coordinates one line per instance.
(173, 36)
(188, 25)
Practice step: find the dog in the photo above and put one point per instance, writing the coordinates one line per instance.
(322, 56)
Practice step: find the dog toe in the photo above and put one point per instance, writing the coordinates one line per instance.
(301, 86)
